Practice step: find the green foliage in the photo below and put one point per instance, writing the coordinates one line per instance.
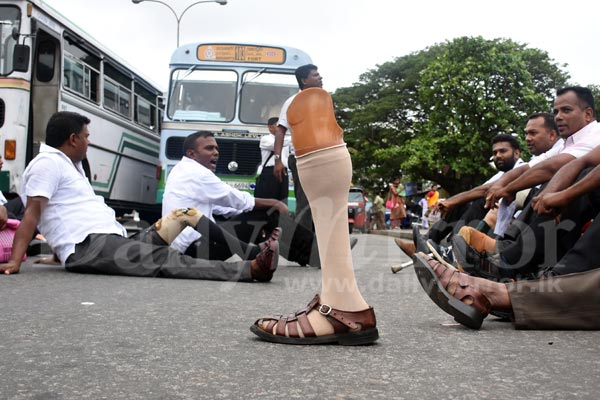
(431, 115)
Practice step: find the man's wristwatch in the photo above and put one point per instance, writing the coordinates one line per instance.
(277, 157)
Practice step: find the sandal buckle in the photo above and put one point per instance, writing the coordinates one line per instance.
(325, 312)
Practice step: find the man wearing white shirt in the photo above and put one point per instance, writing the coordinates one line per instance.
(193, 181)
(83, 232)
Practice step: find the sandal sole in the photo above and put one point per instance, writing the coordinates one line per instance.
(462, 313)
(368, 336)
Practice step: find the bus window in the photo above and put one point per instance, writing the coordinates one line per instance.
(203, 95)
(263, 94)
(111, 95)
(117, 91)
(144, 112)
(10, 19)
(124, 101)
(45, 61)
(81, 70)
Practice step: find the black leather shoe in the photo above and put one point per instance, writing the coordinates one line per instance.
(472, 262)
(420, 240)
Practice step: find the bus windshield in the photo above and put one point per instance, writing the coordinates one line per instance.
(10, 18)
(203, 95)
(263, 94)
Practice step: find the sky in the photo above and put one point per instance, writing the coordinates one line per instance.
(345, 38)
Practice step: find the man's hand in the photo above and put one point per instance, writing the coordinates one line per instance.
(53, 260)
(282, 208)
(549, 203)
(10, 267)
(279, 170)
(444, 207)
(493, 197)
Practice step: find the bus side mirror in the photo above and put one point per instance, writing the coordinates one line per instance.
(21, 58)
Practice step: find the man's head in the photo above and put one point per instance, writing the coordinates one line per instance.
(202, 147)
(68, 131)
(272, 124)
(308, 77)
(541, 133)
(505, 151)
(573, 109)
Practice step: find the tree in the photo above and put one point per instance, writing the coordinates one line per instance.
(432, 114)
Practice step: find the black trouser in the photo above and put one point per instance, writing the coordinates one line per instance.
(582, 257)
(295, 242)
(268, 187)
(466, 214)
(117, 255)
(218, 243)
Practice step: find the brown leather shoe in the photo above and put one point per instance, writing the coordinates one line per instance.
(454, 292)
(264, 265)
(407, 246)
(350, 328)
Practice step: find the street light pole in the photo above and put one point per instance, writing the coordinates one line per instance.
(178, 17)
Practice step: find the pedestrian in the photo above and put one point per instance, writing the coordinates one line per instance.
(398, 209)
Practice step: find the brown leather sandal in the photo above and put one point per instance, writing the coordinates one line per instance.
(452, 291)
(350, 328)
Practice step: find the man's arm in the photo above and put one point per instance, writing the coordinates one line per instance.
(444, 206)
(33, 211)
(550, 203)
(540, 173)
(279, 168)
(560, 191)
(263, 204)
(501, 183)
(567, 174)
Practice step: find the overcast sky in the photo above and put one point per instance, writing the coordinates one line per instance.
(345, 38)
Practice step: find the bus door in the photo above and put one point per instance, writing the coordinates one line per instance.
(45, 86)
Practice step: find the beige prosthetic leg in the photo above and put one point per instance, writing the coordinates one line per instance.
(170, 226)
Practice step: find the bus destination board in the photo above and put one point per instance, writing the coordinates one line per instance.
(241, 53)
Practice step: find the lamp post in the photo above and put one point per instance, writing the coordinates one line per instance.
(178, 17)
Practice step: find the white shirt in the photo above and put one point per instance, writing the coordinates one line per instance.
(73, 211)
(578, 144)
(2, 199)
(190, 184)
(267, 146)
(500, 173)
(284, 122)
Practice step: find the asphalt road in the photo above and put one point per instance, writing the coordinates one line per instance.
(70, 336)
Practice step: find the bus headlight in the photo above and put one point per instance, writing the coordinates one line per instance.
(232, 166)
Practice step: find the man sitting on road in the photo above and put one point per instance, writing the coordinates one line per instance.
(193, 182)
(83, 233)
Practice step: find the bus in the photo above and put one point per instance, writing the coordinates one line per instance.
(230, 89)
(48, 64)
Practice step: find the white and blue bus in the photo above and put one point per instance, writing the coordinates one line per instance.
(230, 89)
(48, 64)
